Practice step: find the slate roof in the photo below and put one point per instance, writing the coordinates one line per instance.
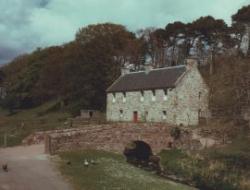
(156, 79)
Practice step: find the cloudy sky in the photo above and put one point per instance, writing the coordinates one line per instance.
(28, 24)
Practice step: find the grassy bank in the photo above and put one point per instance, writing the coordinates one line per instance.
(110, 173)
(19, 125)
(225, 168)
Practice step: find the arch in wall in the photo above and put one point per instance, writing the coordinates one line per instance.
(137, 151)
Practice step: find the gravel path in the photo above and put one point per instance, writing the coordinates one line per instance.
(29, 169)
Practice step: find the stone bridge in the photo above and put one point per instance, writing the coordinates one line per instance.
(109, 137)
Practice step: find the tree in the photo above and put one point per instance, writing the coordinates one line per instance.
(112, 38)
(243, 15)
(172, 31)
(175, 28)
(2, 76)
(208, 26)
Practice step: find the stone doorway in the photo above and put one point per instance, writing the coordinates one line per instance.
(135, 116)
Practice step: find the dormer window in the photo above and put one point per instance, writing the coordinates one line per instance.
(124, 97)
(142, 96)
(165, 97)
(153, 95)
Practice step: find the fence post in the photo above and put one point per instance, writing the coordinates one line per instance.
(47, 144)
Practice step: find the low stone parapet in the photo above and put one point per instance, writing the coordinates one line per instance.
(114, 137)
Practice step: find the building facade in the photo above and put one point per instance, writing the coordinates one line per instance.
(175, 95)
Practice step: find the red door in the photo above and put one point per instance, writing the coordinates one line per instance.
(135, 116)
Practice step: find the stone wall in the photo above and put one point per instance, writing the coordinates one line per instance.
(181, 105)
(114, 137)
(191, 98)
(109, 137)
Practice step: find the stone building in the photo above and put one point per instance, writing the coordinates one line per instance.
(175, 95)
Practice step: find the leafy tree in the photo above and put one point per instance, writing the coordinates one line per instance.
(243, 15)
(175, 28)
(208, 25)
(114, 38)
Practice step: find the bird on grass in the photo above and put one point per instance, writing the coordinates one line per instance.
(86, 163)
(5, 167)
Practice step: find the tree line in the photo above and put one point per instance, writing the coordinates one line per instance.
(78, 73)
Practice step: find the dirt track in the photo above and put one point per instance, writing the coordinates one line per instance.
(29, 169)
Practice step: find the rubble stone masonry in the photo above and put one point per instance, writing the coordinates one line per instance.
(114, 137)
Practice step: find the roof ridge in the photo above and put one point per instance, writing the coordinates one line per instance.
(156, 69)
(159, 78)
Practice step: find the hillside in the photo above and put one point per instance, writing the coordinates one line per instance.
(14, 128)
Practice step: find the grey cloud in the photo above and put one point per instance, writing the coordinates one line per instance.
(28, 24)
(7, 53)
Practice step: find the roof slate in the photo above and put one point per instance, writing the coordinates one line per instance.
(156, 79)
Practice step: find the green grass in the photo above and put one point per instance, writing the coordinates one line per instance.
(111, 173)
(223, 168)
(25, 122)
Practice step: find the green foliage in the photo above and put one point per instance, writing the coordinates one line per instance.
(21, 124)
(208, 25)
(170, 159)
(77, 73)
(9, 103)
(229, 85)
(243, 15)
(224, 168)
(175, 28)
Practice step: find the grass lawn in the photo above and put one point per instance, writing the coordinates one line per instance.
(24, 122)
(110, 173)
